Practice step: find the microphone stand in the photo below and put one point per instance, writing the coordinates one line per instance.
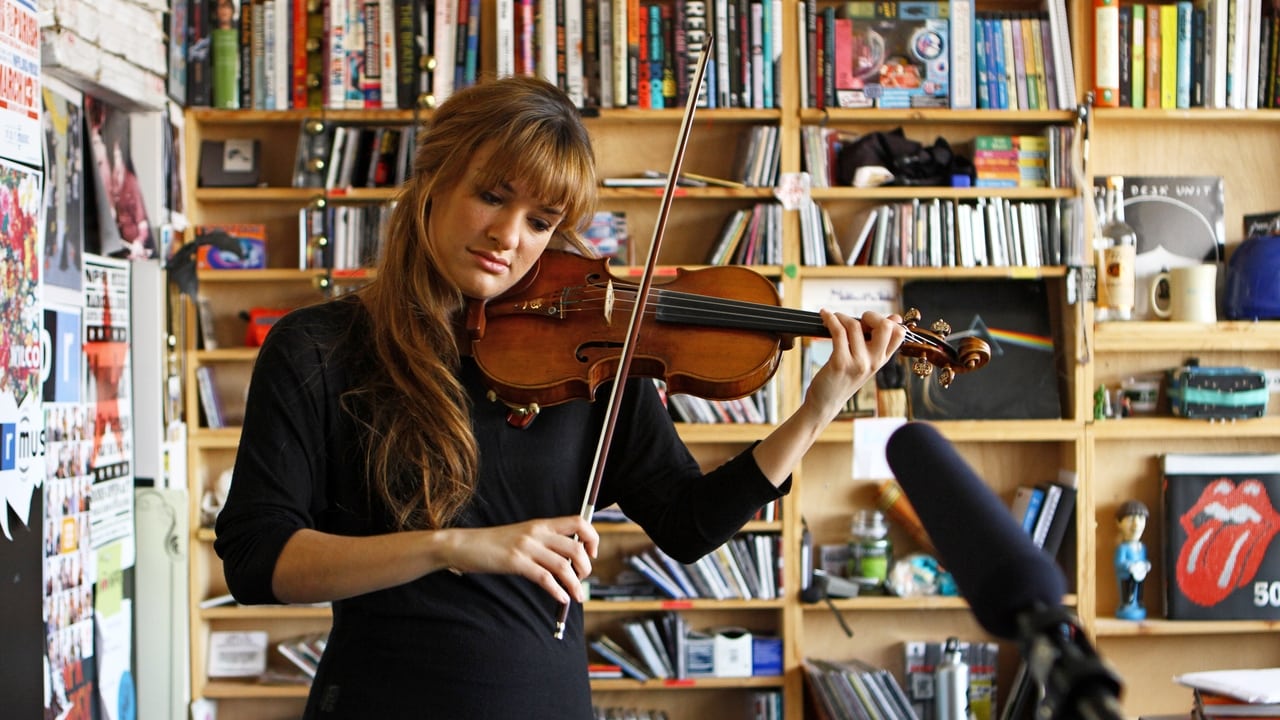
(1076, 683)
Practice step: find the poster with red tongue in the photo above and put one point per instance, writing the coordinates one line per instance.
(1221, 517)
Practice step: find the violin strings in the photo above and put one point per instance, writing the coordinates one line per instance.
(731, 312)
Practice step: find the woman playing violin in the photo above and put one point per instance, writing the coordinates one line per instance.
(374, 472)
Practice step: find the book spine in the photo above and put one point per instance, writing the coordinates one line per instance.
(471, 63)
(298, 58)
(544, 34)
(667, 28)
(1182, 62)
(443, 43)
(199, 62)
(1106, 53)
(1138, 61)
(283, 51)
(1155, 56)
(1125, 30)
(245, 79)
(621, 52)
(406, 54)
(605, 52)
(226, 68)
(721, 47)
(388, 87)
(590, 54)
(1169, 50)
(336, 75)
(1199, 66)
(963, 71)
(504, 38)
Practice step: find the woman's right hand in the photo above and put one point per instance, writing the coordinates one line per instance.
(545, 551)
(319, 567)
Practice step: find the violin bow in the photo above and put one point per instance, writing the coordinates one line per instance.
(637, 311)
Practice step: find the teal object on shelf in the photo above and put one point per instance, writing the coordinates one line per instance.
(1253, 280)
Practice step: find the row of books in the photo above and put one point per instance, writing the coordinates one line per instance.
(304, 651)
(920, 661)
(352, 155)
(854, 690)
(657, 647)
(338, 236)
(747, 567)
(934, 53)
(663, 646)
(1016, 63)
(760, 407)
(1045, 511)
(749, 236)
(358, 54)
(615, 712)
(933, 232)
(821, 146)
(1215, 54)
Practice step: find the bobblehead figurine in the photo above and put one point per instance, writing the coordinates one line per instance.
(1131, 560)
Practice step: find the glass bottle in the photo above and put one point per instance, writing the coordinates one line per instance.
(1115, 252)
(870, 550)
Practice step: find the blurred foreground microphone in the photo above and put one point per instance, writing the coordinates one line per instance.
(1013, 587)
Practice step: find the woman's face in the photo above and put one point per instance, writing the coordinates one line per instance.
(487, 238)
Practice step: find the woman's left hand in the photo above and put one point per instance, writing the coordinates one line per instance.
(860, 347)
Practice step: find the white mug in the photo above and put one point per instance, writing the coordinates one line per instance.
(1186, 294)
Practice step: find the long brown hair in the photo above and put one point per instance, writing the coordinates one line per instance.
(421, 455)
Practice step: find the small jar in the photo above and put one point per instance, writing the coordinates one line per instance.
(870, 550)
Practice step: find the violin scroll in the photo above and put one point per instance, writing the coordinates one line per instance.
(930, 350)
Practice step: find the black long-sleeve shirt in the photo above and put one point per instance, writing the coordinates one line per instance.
(447, 646)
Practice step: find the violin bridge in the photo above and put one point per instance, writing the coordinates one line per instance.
(608, 303)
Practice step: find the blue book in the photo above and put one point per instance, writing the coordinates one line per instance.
(996, 36)
(1183, 88)
(1026, 506)
(981, 55)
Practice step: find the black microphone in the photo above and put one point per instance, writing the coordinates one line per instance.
(1013, 587)
(996, 566)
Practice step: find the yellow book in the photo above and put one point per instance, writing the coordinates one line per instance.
(1035, 100)
(1168, 56)
(1138, 49)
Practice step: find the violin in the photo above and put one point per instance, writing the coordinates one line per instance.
(715, 332)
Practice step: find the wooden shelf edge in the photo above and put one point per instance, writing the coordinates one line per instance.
(1163, 429)
(629, 606)
(701, 683)
(1117, 628)
(1141, 336)
(253, 690)
(981, 430)
(266, 612)
(630, 528)
(907, 192)
(946, 273)
(936, 115)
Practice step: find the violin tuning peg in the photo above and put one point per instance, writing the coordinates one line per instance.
(945, 376)
(942, 327)
(921, 367)
(911, 317)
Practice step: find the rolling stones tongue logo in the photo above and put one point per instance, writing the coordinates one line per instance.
(1228, 530)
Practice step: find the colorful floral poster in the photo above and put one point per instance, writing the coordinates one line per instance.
(21, 423)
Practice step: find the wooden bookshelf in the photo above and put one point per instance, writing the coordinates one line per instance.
(1114, 459)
